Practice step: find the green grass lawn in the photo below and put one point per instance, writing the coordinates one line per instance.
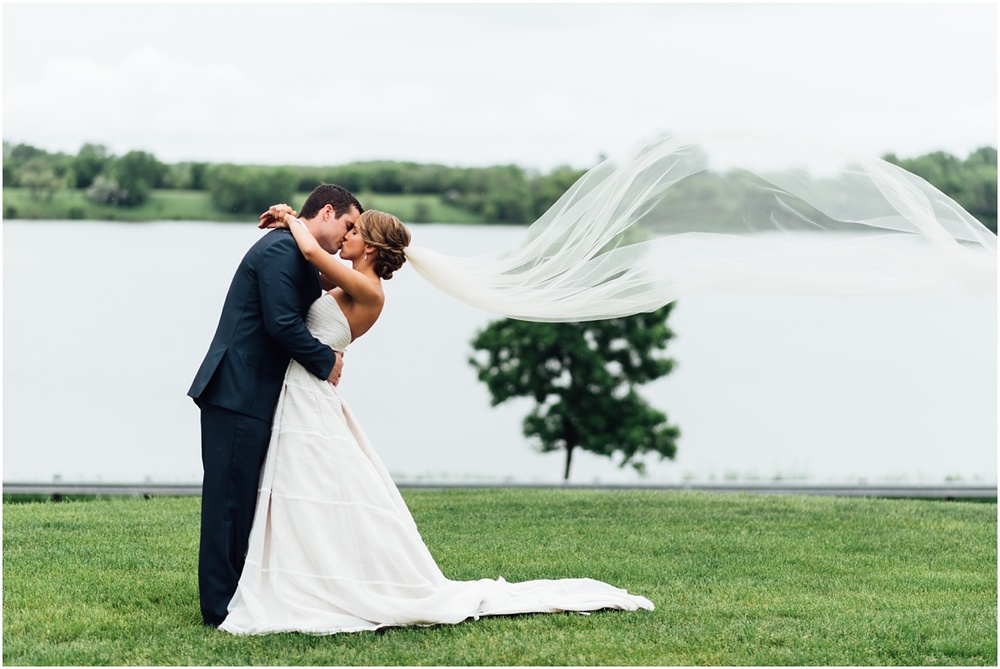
(736, 579)
(189, 205)
(409, 208)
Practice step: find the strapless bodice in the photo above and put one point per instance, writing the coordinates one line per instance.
(327, 322)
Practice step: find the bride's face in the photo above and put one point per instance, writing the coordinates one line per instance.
(353, 245)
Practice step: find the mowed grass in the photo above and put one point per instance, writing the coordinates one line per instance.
(70, 204)
(736, 579)
(411, 208)
(190, 205)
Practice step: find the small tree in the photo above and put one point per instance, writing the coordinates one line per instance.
(582, 377)
(90, 160)
(39, 178)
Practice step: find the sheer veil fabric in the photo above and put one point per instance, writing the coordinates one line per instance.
(679, 215)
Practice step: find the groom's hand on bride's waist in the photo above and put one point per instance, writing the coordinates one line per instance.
(338, 367)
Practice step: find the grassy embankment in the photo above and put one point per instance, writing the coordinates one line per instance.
(189, 205)
(737, 580)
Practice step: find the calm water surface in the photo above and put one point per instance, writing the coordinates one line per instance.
(105, 324)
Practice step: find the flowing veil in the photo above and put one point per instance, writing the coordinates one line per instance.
(679, 215)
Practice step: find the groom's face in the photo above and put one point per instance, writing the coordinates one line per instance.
(334, 228)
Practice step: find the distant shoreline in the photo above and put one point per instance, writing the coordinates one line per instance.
(929, 491)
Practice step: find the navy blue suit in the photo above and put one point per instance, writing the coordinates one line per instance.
(237, 386)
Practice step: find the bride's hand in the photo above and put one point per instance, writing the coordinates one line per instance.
(275, 216)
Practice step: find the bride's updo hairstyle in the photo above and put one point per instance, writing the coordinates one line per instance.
(388, 235)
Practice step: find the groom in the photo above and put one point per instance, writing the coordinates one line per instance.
(237, 386)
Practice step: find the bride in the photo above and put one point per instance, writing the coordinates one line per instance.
(333, 546)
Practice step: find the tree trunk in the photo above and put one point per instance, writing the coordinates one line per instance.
(569, 459)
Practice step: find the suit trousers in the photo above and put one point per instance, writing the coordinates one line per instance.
(233, 449)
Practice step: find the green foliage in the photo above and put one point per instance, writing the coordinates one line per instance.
(582, 378)
(126, 181)
(971, 182)
(546, 189)
(501, 194)
(249, 190)
(18, 158)
(496, 194)
(135, 174)
(737, 580)
(39, 178)
(90, 161)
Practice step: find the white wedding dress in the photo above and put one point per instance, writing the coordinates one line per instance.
(333, 546)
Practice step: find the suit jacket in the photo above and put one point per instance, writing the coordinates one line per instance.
(261, 329)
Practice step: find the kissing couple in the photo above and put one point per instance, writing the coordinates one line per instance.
(302, 528)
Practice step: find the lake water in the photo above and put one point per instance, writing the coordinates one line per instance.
(104, 325)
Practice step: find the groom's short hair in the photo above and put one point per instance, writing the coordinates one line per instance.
(336, 196)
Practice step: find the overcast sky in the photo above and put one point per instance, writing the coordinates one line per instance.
(477, 84)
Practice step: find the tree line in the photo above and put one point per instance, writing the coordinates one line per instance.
(497, 194)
